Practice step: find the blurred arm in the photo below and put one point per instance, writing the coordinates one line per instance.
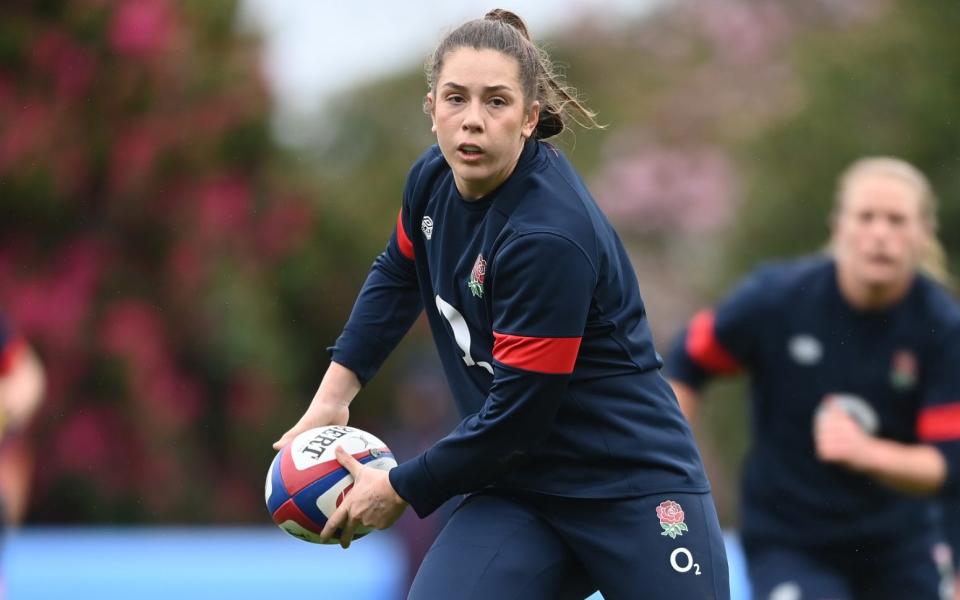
(717, 342)
(16, 470)
(330, 405)
(687, 397)
(909, 468)
(21, 386)
(938, 421)
(919, 469)
(385, 309)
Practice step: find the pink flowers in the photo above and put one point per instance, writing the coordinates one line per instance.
(665, 190)
(68, 64)
(224, 207)
(144, 229)
(142, 27)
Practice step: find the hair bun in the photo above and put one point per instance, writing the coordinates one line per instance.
(510, 18)
(549, 124)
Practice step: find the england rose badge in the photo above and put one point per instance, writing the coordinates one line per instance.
(671, 519)
(477, 275)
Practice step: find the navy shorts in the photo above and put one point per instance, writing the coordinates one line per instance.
(506, 545)
(918, 569)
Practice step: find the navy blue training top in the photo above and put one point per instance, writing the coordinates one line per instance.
(536, 314)
(895, 370)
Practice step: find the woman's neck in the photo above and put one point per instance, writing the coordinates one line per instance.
(472, 195)
(865, 296)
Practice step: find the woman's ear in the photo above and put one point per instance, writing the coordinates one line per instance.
(430, 108)
(532, 118)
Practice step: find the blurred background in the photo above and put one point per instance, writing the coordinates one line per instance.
(191, 194)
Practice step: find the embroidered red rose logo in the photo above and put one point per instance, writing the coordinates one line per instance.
(671, 519)
(476, 276)
(903, 372)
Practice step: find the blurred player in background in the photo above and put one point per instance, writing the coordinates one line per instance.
(22, 385)
(854, 360)
(580, 470)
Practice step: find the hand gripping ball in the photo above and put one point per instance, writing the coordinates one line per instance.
(305, 483)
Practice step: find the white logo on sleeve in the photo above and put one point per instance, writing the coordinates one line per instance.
(805, 349)
(426, 226)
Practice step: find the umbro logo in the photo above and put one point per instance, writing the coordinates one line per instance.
(426, 226)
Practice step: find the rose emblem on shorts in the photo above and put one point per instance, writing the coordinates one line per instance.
(476, 276)
(671, 519)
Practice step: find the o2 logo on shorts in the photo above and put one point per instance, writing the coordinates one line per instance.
(681, 560)
(672, 521)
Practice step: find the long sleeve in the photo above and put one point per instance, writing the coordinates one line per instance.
(542, 285)
(938, 421)
(386, 308)
(938, 424)
(719, 341)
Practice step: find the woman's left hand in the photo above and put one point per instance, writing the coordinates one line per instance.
(372, 502)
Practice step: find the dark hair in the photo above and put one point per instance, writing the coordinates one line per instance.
(505, 32)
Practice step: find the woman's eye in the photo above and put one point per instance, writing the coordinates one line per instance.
(498, 102)
(455, 99)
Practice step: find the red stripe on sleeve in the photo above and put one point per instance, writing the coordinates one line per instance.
(705, 350)
(542, 355)
(9, 354)
(939, 423)
(403, 240)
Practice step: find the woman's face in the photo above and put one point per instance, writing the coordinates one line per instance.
(879, 234)
(480, 118)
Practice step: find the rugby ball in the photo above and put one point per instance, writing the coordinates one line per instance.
(305, 483)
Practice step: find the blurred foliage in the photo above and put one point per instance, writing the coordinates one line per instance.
(883, 88)
(182, 275)
(175, 269)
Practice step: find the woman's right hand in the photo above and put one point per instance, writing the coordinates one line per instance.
(330, 405)
(318, 415)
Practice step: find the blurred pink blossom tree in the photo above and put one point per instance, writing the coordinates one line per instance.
(149, 224)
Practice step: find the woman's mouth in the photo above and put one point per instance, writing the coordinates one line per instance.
(881, 259)
(469, 152)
